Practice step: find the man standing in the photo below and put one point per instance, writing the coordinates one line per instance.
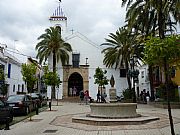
(81, 95)
(74, 91)
(98, 96)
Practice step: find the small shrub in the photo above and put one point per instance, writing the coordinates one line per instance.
(162, 93)
(127, 94)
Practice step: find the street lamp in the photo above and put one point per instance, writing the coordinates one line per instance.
(134, 75)
(86, 61)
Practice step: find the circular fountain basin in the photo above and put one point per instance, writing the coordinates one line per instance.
(113, 110)
(107, 114)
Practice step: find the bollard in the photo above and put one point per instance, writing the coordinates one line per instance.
(50, 106)
(7, 124)
(37, 110)
(147, 99)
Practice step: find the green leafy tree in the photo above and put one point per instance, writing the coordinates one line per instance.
(3, 85)
(155, 17)
(29, 76)
(165, 53)
(51, 42)
(51, 78)
(100, 78)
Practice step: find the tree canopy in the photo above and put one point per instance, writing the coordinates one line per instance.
(52, 42)
(29, 75)
(51, 78)
(157, 50)
(100, 77)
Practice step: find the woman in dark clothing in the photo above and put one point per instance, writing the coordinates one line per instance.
(98, 96)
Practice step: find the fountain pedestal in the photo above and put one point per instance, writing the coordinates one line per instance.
(113, 110)
(112, 95)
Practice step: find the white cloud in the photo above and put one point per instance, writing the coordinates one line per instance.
(26, 20)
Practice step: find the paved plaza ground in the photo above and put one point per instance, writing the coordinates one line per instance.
(58, 122)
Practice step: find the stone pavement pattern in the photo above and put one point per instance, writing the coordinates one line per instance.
(58, 122)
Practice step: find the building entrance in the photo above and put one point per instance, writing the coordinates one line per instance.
(75, 84)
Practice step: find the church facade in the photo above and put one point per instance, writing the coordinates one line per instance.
(84, 59)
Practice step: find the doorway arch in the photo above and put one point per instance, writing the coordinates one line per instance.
(75, 80)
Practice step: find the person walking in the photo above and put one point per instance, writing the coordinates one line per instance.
(81, 95)
(144, 96)
(86, 96)
(98, 97)
(103, 97)
(141, 96)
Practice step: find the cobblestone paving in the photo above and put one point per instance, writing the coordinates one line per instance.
(66, 121)
(59, 121)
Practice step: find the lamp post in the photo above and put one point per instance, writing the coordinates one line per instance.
(134, 75)
(86, 61)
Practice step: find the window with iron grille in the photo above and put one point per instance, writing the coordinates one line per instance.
(14, 87)
(9, 70)
(22, 87)
(122, 72)
(75, 60)
(18, 87)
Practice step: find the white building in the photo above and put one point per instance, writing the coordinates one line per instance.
(12, 70)
(84, 59)
(144, 82)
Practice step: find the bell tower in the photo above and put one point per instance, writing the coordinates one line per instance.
(59, 19)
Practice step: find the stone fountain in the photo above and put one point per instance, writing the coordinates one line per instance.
(113, 113)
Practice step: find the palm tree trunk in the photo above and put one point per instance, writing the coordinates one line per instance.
(54, 70)
(162, 35)
(161, 20)
(128, 77)
(151, 83)
(168, 96)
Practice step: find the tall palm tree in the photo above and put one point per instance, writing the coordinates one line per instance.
(141, 19)
(159, 16)
(152, 15)
(121, 46)
(51, 42)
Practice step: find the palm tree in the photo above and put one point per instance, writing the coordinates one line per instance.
(51, 42)
(152, 17)
(158, 17)
(121, 46)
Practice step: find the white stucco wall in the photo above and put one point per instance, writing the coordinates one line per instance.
(15, 73)
(144, 82)
(59, 91)
(15, 79)
(95, 59)
(87, 49)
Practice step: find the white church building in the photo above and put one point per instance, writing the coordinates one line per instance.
(84, 59)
